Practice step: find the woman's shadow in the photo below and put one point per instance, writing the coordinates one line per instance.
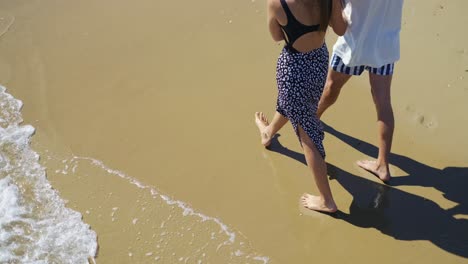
(399, 214)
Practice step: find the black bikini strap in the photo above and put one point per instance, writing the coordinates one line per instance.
(286, 9)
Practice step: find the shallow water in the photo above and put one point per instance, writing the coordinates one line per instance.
(38, 228)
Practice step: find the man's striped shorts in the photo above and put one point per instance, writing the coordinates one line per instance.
(337, 65)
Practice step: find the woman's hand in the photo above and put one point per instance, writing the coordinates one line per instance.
(338, 20)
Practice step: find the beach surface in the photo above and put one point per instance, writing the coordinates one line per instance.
(144, 123)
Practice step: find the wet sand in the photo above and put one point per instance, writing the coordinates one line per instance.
(165, 92)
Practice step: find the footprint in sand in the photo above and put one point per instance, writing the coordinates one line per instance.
(421, 118)
(439, 9)
(6, 21)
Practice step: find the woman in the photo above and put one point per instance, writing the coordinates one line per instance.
(300, 74)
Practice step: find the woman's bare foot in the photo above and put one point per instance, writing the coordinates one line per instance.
(317, 203)
(373, 167)
(262, 124)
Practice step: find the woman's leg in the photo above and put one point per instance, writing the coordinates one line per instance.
(324, 202)
(267, 130)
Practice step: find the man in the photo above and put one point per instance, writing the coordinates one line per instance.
(371, 43)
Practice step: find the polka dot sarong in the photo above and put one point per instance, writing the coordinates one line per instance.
(301, 78)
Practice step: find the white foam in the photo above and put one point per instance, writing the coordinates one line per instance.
(35, 225)
(155, 193)
(186, 210)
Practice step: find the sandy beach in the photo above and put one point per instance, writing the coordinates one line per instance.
(144, 123)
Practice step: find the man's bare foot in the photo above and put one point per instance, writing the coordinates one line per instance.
(316, 203)
(373, 167)
(262, 124)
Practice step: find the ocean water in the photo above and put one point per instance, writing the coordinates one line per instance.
(35, 224)
(37, 227)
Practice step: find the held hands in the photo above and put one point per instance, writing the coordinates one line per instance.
(339, 21)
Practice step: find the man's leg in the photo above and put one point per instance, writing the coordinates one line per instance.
(335, 81)
(267, 130)
(380, 87)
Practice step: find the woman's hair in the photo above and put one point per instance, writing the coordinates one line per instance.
(325, 13)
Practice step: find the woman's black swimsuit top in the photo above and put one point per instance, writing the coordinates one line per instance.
(294, 29)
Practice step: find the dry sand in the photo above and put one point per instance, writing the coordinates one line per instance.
(165, 92)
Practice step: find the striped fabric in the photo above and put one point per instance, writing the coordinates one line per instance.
(337, 65)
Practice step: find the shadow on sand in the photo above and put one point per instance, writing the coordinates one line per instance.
(399, 214)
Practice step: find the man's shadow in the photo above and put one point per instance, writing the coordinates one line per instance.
(451, 181)
(399, 214)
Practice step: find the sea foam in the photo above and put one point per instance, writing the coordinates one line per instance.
(35, 225)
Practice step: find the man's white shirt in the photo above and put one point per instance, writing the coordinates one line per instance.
(373, 34)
